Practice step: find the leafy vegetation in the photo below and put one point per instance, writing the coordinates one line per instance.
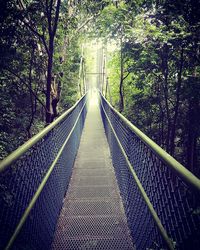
(154, 71)
(38, 66)
(152, 75)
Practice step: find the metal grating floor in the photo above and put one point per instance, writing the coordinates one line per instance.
(92, 216)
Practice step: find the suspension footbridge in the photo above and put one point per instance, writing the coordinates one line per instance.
(92, 180)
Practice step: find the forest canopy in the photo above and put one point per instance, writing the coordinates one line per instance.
(151, 73)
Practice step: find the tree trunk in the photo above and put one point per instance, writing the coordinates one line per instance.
(80, 73)
(176, 109)
(193, 121)
(191, 140)
(48, 86)
(161, 123)
(33, 110)
(121, 100)
(52, 27)
(165, 72)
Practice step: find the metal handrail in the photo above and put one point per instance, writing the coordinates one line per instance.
(7, 161)
(142, 191)
(182, 172)
(47, 175)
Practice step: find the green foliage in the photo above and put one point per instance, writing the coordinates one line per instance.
(160, 48)
(154, 68)
(23, 67)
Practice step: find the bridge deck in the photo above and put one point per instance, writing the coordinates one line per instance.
(92, 216)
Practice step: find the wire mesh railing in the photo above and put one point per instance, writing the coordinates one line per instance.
(34, 180)
(161, 198)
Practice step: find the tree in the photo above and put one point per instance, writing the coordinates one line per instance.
(44, 26)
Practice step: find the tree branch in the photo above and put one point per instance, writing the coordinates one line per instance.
(40, 36)
(82, 25)
(21, 4)
(126, 76)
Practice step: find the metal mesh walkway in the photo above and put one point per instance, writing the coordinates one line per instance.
(92, 216)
